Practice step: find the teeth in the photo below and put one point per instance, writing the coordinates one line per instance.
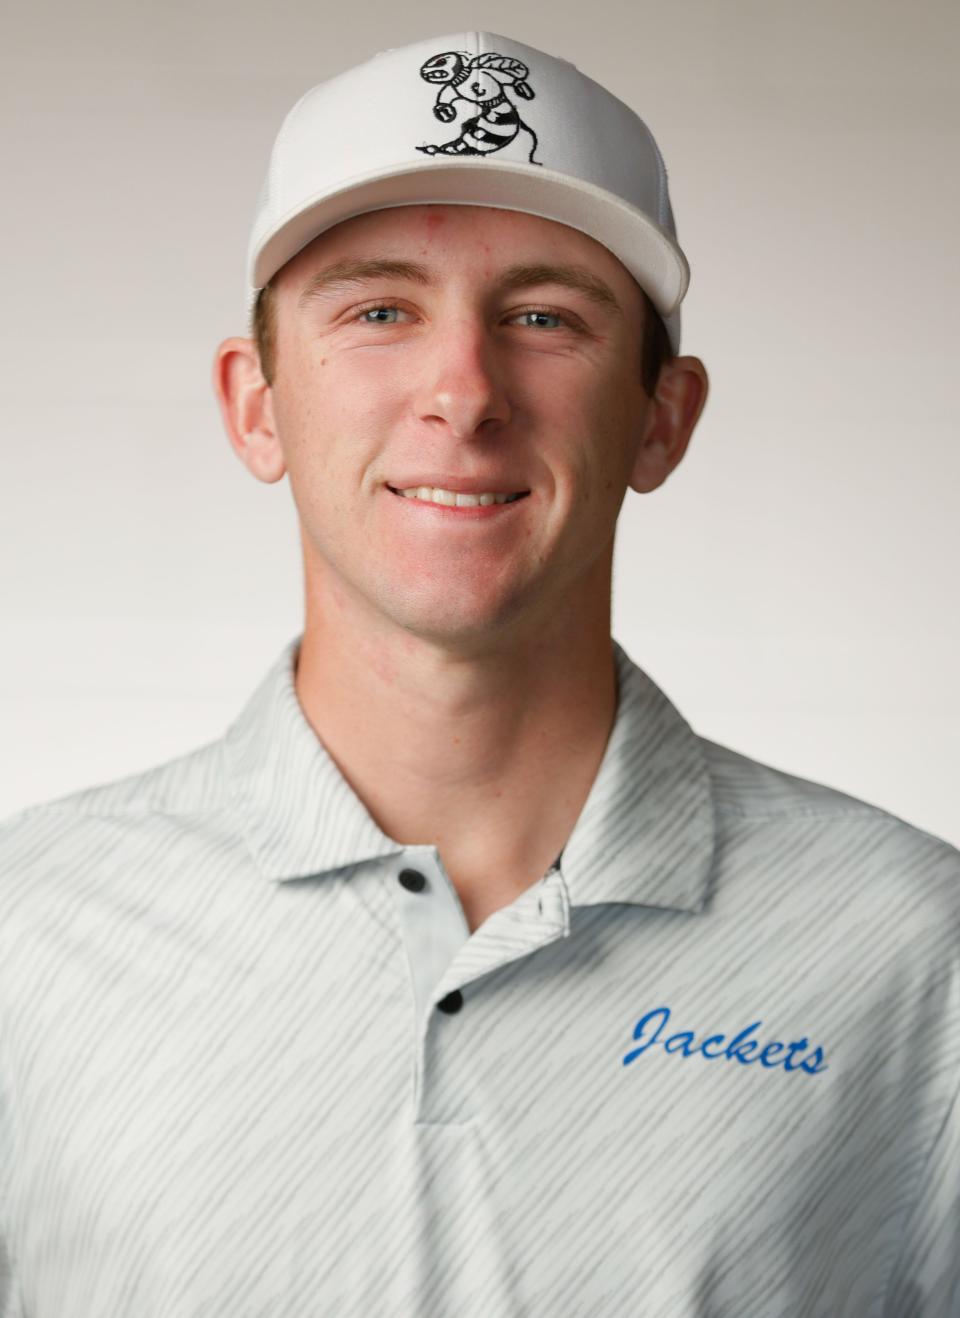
(454, 500)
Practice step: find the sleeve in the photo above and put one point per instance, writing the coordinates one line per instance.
(10, 1300)
(925, 1282)
(10, 1306)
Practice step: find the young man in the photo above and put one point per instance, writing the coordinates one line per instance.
(461, 976)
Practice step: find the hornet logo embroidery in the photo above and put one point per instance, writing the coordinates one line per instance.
(480, 81)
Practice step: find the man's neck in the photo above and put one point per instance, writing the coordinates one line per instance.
(489, 759)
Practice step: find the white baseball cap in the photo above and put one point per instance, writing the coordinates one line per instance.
(472, 119)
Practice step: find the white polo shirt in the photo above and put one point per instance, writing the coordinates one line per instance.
(254, 1065)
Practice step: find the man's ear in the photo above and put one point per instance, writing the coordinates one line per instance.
(246, 405)
(674, 411)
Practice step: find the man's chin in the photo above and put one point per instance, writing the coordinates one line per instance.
(464, 628)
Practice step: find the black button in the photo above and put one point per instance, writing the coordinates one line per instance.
(413, 880)
(452, 1002)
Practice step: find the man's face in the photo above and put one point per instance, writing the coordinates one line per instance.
(389, 381)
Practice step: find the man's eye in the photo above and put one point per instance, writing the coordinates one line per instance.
(379, 310)
(366, 311)
(536, 311)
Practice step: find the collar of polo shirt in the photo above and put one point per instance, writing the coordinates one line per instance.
(645, 834)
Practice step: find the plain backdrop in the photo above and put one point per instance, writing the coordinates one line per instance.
(793, 587)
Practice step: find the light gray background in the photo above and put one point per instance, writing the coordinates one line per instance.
(793, 586)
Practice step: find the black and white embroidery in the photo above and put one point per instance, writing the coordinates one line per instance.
(479, 80)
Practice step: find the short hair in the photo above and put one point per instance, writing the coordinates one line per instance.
(655, 349)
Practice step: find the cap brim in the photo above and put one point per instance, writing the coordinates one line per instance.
(650, 254)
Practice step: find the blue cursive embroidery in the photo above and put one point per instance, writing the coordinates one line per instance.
(649, 1028)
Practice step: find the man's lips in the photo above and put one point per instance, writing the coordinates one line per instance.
(456, 486)
(473, 512)
(514, 496)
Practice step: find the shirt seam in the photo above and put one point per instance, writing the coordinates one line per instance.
(873, 814)
(817, 811)
(116, 812)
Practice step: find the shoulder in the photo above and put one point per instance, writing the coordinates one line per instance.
(186, 782)
(137, 811)
(803, 827)
(748, 789)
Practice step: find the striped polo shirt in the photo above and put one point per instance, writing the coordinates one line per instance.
(253, 1063)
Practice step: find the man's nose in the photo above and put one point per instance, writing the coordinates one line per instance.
(461, 381)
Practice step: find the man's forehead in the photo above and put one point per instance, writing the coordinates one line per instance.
(378, 244)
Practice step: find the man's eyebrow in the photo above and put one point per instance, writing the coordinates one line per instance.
(575, 277)
(353, 270)
(349, 271)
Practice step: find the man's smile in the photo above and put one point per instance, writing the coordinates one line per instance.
(467, 505)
